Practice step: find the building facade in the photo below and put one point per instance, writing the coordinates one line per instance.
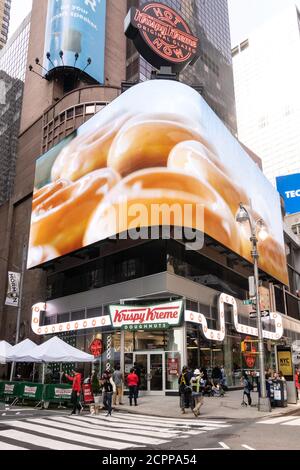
(267, 93)
(13, 62)
(212, 74)
(73, 295)
(5, 6)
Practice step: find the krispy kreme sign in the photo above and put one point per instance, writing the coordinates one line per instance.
(162, 36)
(165, 314)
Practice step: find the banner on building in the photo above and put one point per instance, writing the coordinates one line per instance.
(289, 188)
(75, 34)
(13, 289)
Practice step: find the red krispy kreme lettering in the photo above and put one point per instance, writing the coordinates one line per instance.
(166, 32)
(142, 315)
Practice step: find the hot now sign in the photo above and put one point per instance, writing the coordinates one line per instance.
(168, 314)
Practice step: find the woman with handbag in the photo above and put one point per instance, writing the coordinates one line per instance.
(184, 389)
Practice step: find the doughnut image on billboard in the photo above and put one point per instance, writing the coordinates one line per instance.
(157, 145)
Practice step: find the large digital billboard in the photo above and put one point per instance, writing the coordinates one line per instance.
(158, 146)
(76, 28)
(289, 188)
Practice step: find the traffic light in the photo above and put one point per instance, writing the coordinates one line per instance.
(246, 346)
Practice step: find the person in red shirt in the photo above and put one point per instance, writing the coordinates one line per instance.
(76, 390)
(133, 382)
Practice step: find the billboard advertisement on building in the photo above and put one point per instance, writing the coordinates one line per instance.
(77, 29)
(156, 151)
(289, 188)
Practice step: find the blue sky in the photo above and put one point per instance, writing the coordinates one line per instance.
(245, 15)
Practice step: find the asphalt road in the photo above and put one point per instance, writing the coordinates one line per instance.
(30, 429)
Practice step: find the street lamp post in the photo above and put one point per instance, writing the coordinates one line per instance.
(243, 215)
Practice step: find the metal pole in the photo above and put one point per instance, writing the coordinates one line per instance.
(264, 402)
(24, 258)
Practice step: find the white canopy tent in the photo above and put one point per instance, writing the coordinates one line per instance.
(53, 350)
(5, 349)
(23, 352)
(57, 350)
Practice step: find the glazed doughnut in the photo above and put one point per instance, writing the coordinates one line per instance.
(41, 254)
(195, 159)
(60, 221)
(272, 259)
(86, 153)
(40, 195)
(146, 141)
(137, 194)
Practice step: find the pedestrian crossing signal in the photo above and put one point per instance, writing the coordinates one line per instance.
(246, 346)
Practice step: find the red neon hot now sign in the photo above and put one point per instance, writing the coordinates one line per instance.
(162, 36)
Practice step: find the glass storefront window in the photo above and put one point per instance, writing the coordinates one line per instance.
(208, 354)
(167, 340)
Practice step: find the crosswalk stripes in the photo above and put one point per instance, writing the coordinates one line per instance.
(118, 432)
(283, 420)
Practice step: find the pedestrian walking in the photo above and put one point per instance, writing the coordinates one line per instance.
(197, 395)
(119, 382)
(132, 382)
(248, 387)
(185, 390)
(76, 391)
(108, 390)
(138, 372)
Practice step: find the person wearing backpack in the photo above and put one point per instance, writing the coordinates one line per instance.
(197, 395)
(248, 387)
(185, 390)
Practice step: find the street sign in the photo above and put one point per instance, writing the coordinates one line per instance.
(251, 283)
(265, 313)
(248, 302)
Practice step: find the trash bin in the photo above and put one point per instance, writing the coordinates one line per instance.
(279, 393)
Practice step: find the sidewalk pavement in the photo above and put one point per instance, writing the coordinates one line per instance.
(227, 407)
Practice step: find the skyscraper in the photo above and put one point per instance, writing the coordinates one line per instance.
(210, 23)
(13, 59)
(4, 21)
(267, 76)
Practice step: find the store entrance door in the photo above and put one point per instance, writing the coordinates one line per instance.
(152, 367)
